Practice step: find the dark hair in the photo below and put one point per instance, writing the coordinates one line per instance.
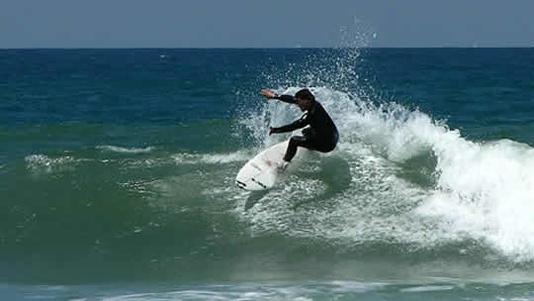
(305, 94)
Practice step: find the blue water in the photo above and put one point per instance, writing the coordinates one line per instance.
(117, 168)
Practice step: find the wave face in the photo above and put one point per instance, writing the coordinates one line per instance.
(408, 194)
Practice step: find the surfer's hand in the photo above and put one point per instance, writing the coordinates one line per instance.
(268, 93)
(271, 131)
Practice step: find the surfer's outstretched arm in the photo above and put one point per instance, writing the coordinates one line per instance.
(298, 124)
(285, 98)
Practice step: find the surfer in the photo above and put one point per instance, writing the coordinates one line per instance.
(321, 135)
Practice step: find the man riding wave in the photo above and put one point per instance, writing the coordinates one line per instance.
(321, 135)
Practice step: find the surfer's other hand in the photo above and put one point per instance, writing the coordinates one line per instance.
(268, 93)
(271, 131)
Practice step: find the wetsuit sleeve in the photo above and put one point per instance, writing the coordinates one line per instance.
(286, 98)
(298, 124)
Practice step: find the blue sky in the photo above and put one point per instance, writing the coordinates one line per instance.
(274, 23)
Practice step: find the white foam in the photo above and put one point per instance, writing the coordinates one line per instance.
(222, 158)
(427, 288)
(486, 191)
(255, 291)
(39, 163)
(126, 150)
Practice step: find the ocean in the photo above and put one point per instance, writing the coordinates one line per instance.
(117, 175)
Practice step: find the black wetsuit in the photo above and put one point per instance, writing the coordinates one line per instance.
(321, 136)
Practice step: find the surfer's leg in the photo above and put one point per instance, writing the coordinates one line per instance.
(325, 144)
(295, 142)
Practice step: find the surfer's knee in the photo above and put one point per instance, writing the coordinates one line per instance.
(296, 141)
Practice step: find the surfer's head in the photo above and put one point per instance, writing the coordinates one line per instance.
(305, 99)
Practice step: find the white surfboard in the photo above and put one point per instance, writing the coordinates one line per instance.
(261, 172)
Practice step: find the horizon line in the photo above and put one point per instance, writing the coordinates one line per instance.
(260, 48)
